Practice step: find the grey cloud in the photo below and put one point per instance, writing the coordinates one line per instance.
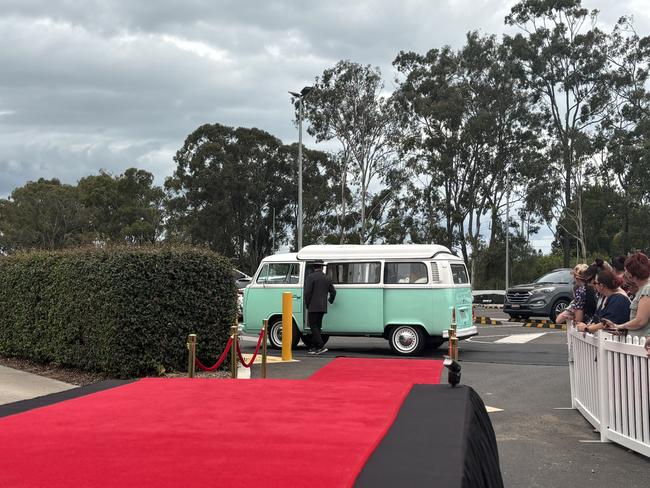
(112, 84)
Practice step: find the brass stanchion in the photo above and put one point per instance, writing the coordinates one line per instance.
(453, 339)
(233, 351)
(265, 328)
(191, 357)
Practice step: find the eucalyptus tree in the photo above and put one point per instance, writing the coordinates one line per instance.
(564, 62)
(224, 189)
(126, 208)
(347, 105)
(624, 138)
(43, 214)
(320, 183)
(467, 127)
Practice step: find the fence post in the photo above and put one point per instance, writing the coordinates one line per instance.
(572, 380)
(264, 332)
(603, 386)
(191, 356)
(287, 325)
(233, 351)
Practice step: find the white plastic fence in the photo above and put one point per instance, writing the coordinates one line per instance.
(610, 386)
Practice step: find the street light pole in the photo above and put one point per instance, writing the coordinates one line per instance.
(507, 231)
(303, 93)
(300, 173)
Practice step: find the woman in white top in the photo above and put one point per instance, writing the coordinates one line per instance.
(637, 272)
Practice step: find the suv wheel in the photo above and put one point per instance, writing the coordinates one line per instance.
(558, 307)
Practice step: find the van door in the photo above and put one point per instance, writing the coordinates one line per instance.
(462, 294)
(358, 308)
(264, 297)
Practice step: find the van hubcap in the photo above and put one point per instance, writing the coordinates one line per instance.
(276, 335)
(406, 339)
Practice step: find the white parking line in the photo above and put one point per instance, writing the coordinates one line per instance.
(520, 338)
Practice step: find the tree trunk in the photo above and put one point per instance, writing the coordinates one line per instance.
(343, 208)
(362, 232)
(566, 244)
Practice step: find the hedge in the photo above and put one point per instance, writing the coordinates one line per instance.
(123, 311)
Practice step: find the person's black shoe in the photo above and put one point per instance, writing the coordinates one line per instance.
(322, 350)
(311, 351)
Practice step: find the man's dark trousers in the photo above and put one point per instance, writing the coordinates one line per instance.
(315, 324)
(319, 290)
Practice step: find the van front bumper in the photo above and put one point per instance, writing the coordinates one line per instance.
(463, 333)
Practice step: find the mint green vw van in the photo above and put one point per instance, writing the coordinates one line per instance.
(404, 293)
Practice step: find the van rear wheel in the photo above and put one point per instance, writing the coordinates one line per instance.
(275, 335)
(407, 340)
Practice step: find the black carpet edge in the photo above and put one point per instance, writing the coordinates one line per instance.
(52, 398)
(427, 444)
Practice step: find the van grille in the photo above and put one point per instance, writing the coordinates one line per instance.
(517, 296)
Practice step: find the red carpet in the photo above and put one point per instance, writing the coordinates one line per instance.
(208, 433)
(403, 371)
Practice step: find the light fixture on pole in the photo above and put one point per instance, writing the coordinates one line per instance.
(303, 93)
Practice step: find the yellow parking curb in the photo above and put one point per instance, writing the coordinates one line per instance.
(487, 321)
(545, 325)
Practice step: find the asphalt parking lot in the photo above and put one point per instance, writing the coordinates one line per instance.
(523, 372)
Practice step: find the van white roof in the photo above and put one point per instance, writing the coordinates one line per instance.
(376, 251)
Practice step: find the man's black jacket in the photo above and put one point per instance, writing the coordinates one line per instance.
(317, 287)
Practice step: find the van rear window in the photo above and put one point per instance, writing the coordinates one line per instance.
(354, 273)
(459, 274)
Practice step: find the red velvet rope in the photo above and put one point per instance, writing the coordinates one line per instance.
(257, 349)
(219, 361)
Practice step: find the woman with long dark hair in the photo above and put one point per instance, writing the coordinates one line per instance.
(637, 272)
(615, 305)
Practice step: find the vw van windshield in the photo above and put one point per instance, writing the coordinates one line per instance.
(279, 274)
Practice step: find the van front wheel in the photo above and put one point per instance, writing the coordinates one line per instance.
(275, 335)
(407, 340)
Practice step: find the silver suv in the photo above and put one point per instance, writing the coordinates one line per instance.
(546, 297)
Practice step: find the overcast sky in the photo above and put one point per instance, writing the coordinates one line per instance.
(92, 84)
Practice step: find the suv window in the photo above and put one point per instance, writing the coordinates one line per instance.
(354, 273)
(560, 276)
(459, 273)
(405, 273)
(279, 274)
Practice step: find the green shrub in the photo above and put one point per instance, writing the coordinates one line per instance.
(123, 311)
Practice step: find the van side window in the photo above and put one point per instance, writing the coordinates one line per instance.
(459, 273)
(403, 273)
(354, 273)
(279, 274)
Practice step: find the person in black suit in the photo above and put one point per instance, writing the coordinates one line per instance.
(317, 288)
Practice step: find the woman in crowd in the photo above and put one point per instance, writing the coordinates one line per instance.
(618, 265)
(615, 305)
(637, 272)
(583, 306)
